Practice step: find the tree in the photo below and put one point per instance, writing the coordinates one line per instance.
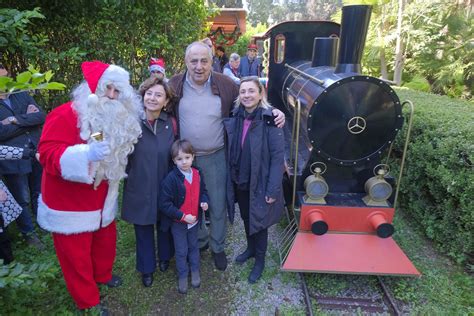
(15, 36)
(430, 43)
(228, 3)
(304, 10)
(127, 33)
(399, 46)
(29, 80)
(240, 46)
(259, 11)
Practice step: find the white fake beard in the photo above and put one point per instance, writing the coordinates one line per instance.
(120, 127)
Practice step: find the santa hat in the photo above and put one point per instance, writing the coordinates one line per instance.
(157, 64)
(97, 71)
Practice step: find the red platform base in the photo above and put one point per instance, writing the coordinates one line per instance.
(348, 254)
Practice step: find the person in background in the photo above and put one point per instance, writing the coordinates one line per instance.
(206, 97)
(183, 198)
(9, 208)
(249, 64)
(216, 63)
(20, 125)
(157, 68)
(256, 165)
(231, 69)
(223, 60)
(83, 150)
(147, 166)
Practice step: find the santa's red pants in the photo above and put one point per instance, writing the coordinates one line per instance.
(86, 259)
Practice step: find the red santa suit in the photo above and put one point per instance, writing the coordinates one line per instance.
(80, 216)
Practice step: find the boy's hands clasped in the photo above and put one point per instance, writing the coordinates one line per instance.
(190, 219)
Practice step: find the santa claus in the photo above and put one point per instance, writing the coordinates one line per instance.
(81, 176)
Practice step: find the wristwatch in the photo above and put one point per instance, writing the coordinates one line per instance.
(12, 120)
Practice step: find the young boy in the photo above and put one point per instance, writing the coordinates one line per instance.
(183, 193)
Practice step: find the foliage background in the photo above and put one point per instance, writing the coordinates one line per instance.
(59, 35)
(438, 44)
(438, 188)
(437, 38)
(438, 183)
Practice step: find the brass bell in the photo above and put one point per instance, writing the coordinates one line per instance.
(98, 136)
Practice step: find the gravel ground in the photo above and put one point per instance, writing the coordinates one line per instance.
(275, 292)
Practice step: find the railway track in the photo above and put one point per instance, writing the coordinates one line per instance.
(385, 304)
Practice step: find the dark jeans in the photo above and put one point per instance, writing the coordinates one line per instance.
(146, 250)
(34, 180)
(186, 246)
(18, 186)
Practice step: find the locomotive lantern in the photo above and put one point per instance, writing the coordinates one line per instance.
(340, 123)
(316, 187)
(378, 190)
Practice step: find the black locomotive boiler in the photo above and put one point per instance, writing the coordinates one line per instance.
(340, 124)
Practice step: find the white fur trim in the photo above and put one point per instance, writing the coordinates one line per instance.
(75, 166)
(115, 73)
(65, 222)
(85, 134)
(111, 204)
(157, 68)
(92, 99)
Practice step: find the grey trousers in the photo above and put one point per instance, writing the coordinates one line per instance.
(214, 170)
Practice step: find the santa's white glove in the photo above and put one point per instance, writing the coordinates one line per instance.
(98, 150)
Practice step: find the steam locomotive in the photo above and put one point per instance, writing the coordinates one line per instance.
(340, 124)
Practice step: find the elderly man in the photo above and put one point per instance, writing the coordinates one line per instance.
(205, 98)
(231, 69)
(83, 150)
(216, 63)
(250, 65)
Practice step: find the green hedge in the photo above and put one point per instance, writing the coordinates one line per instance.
(438, 185)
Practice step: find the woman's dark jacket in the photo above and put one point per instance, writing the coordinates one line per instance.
(172, 197)
(25, 133)
(147, 166)
(267, 167)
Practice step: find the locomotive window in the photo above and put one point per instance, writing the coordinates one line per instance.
(279, 48)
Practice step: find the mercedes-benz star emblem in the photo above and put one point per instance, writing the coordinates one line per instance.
(356, 125)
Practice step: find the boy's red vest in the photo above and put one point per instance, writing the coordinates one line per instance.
(191, 200)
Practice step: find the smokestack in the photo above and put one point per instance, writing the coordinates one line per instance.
(354, 26)
(324, 51)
